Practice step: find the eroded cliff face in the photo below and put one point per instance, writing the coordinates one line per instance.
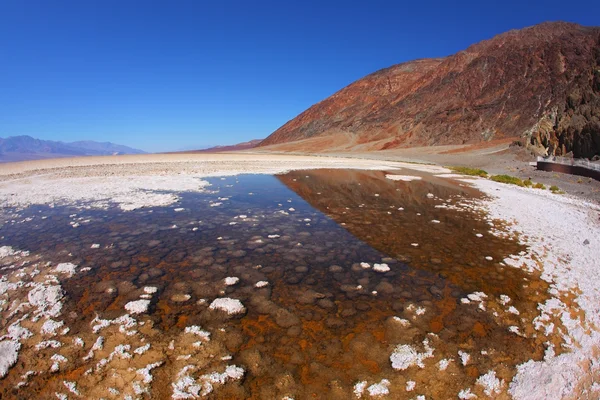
(541, 83)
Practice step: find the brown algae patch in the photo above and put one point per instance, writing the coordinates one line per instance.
(273, 293)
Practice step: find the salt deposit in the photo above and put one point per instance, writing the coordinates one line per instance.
(231, 280)
(405, 356)
(9, 353)
(565, 223)
(381, 267)
(137, 306)
(379, 389)
(66, 268)
(491, 384)
(404, 178)
(230, 306)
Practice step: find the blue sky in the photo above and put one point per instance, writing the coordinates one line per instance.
(168, 75)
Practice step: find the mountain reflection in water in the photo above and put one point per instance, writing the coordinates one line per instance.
(325, 318)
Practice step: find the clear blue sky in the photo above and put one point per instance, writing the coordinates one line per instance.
(166, 75)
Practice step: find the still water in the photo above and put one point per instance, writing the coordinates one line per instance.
(335, 270)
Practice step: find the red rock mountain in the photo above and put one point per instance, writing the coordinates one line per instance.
(234, 147)
(541, 83)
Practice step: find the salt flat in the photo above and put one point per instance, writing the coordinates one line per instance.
(561, 234)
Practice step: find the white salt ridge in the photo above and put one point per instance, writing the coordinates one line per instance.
(379, 389)
(230, 306)
(58, 359)
(17, 332)
(405, 356)
(50, 327)
(9, 353)
(71, 387)
(365, 265)
(6, 251)
(359, 388)
(196, 330)
(137, 306)
(142, 349)
(150, 289)
(410, 386)
(513, 310)
(555, 243)
(404, 178)
(261, 284)
(95, 246)
(187, 387)
(145, 372)
(231, 280)
(464, 357)
(466, 394)
(491, 384)
(381, 267)
(55, 344)
(66, 268)
(401, 321)
(47, 299)
(443, 364)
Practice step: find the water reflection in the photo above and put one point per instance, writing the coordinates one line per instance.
(323, 317)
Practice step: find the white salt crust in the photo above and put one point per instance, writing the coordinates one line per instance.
(230, 306)
(554, 227)
(137, 306)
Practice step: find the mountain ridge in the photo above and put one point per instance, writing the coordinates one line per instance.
(540, 84)
(24, 147)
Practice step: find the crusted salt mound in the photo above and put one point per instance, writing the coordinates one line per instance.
(46, 299)
(491, 384)
(404, 178)
(381, 268)
(6, 251)
(9, 352)
(405, 356)
(379, 389)
(196, 330)
(50, 327)
(230, 306)
(359, 388)
(137, 306)
(261, 284)
(66, 268)
(231, 280)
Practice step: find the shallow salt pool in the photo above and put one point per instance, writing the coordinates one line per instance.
(312, 284)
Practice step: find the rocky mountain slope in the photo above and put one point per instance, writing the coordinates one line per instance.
(234, 147)
(21, 148)
(540, 83)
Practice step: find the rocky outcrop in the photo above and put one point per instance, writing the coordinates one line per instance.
(540, 83)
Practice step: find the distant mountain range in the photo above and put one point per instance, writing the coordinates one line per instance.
(22, 148)
(540, 85)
